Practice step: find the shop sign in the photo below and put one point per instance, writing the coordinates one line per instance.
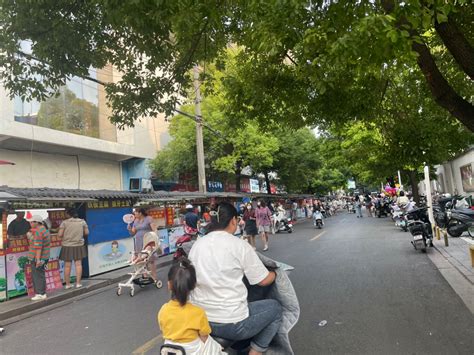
(109, 255)
(254, 185)
(52, 274)
(109, 204)
(215, 186)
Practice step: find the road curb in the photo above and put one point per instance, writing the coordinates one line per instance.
(27, 310)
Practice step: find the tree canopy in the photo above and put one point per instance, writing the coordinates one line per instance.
(310, 61)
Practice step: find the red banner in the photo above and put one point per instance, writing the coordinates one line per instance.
(53, 277)
(169, 216)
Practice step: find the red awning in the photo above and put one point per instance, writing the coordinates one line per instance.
(6, 162)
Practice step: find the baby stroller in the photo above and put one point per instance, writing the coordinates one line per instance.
(141, 263)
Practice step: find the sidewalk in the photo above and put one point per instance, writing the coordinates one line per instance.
(22, 307)
(454, 263)
(457, 254)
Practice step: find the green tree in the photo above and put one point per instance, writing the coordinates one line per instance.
(228, 148)
(298, 160)
(333, 52)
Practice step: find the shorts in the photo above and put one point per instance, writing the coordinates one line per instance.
(262, 229)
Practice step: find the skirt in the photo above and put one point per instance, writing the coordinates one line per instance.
(73, 253)
(251, 227)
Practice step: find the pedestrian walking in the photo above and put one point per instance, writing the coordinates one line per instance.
(73, 232)
(250, 224)
(263, 217)
(294, 207)
(140, 226)
(358, 206)
(38, 255)
(368, 204)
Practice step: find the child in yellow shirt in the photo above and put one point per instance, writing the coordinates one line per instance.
(181, 322)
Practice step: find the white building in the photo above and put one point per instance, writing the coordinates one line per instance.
(68, 141)
(456, 176)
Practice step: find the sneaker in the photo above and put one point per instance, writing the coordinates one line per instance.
(78, 285)
(265, 248)
(67, 287)
(39, 297)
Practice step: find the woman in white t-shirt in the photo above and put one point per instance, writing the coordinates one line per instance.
(221, 262)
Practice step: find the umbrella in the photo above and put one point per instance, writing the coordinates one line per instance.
(6, 162)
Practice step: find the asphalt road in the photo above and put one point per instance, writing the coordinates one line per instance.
(377, 294)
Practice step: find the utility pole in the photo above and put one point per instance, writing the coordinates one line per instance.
(199, 137)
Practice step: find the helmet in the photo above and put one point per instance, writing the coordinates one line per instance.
(189, 206)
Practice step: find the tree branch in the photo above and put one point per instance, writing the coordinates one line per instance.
(442, 91)
(30, 57)
(456, 42)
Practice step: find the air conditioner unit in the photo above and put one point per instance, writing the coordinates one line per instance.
(140, 185)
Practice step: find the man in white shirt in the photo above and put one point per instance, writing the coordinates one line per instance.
(221, 261)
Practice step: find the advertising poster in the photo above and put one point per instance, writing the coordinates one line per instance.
(109, 255)
(174, 234)
(53, 278)
(164, 240)
(3, 277)
(467, 177)
(254, 185)
(54, 256)
(15, 268)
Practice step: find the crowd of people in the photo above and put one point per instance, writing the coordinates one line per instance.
(72, 232)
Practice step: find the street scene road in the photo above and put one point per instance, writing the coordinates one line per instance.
(376, 294)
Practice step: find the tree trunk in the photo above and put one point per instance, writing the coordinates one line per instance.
(267, 181)
(443, 93)
(458, 46)
(238, 175)
(414, 185)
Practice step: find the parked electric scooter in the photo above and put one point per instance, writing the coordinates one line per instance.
(420, 228)
(318, 219)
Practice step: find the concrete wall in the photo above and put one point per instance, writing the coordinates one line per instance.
(59, 171)
(449, 174)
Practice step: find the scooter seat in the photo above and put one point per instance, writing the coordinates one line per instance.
(466, 211)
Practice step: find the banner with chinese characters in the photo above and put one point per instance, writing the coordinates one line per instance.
(169, 216)
(159, 216)
(109, 204)
(53, 277)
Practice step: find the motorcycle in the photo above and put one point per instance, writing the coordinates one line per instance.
(460, 221)
(382, 207)
(318, 219)
(186, 241)
(420, 228)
